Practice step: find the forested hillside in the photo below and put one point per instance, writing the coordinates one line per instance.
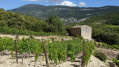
(109, 18)
(41, 11)
(105, 27)
(11, 22)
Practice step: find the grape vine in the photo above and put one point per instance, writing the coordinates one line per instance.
(57, 51)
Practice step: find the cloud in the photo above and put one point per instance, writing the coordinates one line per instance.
(51, 1)
(57, 1)
(67, 3)
(82, 4)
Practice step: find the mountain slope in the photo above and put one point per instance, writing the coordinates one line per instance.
(11, 22)
(41, 11)
(105, 27)
(16, 20)
(110, 19)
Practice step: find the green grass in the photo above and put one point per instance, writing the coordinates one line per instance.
(14, 31)
(111, 26)
(104, 45)
(115, 61)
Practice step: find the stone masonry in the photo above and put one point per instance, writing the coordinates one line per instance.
(82, 30)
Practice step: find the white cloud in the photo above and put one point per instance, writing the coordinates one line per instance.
(67, 3)
(82, 4)
(57, 1)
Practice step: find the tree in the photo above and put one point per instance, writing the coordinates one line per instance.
(56, 24)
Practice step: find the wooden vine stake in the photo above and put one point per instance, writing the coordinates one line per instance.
(45, 53)
(83, 55)
(16, 51)
(22, 55)
(66, 51)
(30, 43)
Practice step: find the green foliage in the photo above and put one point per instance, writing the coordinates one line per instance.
(31, 36)
(56, 50)
(107, 37)
(89, 47)
(6, 43)
(105, 45)
(105, 27)
(74, 47)
(100, 56)
(15, 23)
(56, 24)
(18, 21)
(13, 31)
(12, 54)
(109, 18)
(52, 39)
(16, 36)
(37, 55)
(115, 61)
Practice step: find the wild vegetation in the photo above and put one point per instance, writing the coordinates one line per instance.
(115, 61)
(105, 28)
(15, 23)
(100, 55)
(106, 46)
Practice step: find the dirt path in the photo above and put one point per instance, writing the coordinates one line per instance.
(6, 61)
(50, 37)
(94, 62)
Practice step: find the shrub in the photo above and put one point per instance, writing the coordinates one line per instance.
(115, 61)
(100, 56)
(118, 56)
(31, 36)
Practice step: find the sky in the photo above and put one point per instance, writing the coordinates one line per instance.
(12, 4)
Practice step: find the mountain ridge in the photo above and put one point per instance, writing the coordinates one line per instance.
(37, 10)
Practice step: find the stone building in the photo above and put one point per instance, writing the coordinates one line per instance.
(82, 30)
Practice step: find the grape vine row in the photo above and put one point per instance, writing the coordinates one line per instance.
(57, 51)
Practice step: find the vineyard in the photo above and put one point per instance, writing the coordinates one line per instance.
(57, 52)
(105, 45)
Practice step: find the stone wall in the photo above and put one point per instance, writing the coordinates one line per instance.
(76, 31)
(86, 32)
(82, 30)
